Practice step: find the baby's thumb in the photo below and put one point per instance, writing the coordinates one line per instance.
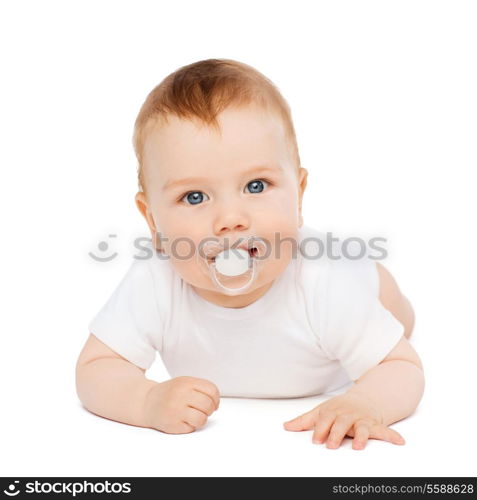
(304, 422)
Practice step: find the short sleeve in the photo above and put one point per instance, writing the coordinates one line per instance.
(129, 322)
(357, 329)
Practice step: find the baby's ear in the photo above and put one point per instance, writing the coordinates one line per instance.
(302, 181)
(141, 202)
(142, 205)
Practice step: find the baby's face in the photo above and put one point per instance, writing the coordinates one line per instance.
(202, 185)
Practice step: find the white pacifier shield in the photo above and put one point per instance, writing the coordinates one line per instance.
(232, 262)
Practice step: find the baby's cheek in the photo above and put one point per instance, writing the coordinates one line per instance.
(285, 202)
(183, 249)
(272, 270)
(280, 224)
(283, 241)
(178, 247)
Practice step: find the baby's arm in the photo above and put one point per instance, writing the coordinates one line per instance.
(112, 387)
(394, 300)
(396, 385)
(383, 395)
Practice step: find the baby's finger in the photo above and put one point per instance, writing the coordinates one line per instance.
(339, 429)
(185, 428)
(322, 426)
(195, 418)
(208, 388)
(361, 435)
(304, 422)
(202, 402)
(380, 431)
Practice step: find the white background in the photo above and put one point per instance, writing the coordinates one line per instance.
(383, 96)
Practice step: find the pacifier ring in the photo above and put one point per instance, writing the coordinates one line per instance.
(227, 289)
(227, 264)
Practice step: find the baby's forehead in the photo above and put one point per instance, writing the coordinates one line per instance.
(238, 132)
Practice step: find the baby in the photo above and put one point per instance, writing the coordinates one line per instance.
(230, 294)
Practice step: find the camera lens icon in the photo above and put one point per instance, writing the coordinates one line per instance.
(12, 491)
(103, 246)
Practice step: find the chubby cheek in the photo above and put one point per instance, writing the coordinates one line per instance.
(182, 251)
(279, 210)
(177, 233)
(282, 247)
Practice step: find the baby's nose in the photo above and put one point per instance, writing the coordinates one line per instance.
(232, 220)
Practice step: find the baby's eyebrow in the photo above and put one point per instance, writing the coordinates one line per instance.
(172, 183)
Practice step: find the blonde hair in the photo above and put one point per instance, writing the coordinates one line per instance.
(202, 90)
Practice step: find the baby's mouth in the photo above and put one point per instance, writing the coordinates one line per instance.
(253, 252)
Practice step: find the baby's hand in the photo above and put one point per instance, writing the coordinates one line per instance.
(180, 405)
(348, 414)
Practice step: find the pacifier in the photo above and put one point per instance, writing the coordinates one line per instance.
(233, 269)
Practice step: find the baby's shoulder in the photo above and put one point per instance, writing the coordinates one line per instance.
(337, 265)
(150, 277)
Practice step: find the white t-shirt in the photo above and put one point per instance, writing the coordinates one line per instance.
(318, 327)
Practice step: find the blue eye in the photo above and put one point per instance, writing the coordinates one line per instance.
(257, 185)
(194, 197)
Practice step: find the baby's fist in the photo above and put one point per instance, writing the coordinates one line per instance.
(181, 405)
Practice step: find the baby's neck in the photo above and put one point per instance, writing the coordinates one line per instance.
(233, 301)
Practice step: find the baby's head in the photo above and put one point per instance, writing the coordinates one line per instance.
(218, 159)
